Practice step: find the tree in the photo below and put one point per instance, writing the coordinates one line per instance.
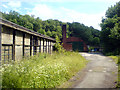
(115, 31)
(53, 28)
(49, 33)
(84, 32)
(110, 34)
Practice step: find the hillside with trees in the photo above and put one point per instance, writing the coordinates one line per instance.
(110, 34)
(53, 28)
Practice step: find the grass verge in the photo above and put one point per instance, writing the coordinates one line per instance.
(118, 85)
(117, 60)
(42, 70)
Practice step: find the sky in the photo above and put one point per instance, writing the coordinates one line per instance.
(87, 12)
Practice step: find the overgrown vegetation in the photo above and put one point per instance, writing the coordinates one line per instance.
(118, 72)
(42, 70)
(117, 60)
(118, 84)
(58, 46)
(110, 34)
(53, 28)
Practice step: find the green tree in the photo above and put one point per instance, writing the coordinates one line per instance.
(49, 33)
(110, 34)
(53, 27)
(84, 32)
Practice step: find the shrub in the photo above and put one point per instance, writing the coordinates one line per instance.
(42, 70)
(58, 46)
(117, 60)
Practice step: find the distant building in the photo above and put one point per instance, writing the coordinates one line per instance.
(73, 43)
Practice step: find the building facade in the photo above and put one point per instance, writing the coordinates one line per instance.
(73, 43)
(17, 42)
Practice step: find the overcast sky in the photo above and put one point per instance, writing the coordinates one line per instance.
(88, 12)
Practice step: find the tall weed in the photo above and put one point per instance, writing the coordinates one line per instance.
(42, 70)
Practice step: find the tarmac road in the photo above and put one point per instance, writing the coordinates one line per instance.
(101, 72)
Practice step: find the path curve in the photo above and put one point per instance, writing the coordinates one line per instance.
(101, 72)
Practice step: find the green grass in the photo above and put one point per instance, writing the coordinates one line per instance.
(118, 75)
(118, 72)
(117, 60)
(42, 70)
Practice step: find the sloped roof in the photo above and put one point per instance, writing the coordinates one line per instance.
(23, 29)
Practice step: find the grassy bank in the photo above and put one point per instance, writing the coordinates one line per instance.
(118, 72)
(117, 60)
(42, 70)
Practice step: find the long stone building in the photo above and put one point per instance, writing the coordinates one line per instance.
(17, 42)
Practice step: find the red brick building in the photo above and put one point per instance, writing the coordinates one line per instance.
(73, 43)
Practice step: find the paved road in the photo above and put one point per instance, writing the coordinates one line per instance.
(101, 72)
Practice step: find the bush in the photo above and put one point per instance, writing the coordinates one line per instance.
(117, 60)
(58, 46)
(42, 70)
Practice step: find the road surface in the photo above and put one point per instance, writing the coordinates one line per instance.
(101, 72)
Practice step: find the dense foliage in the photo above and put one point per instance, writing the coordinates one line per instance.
(110, 34)
(42, 70)
(88, 34)
(53, 28)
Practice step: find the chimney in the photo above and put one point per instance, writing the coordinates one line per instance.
(64, 34)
